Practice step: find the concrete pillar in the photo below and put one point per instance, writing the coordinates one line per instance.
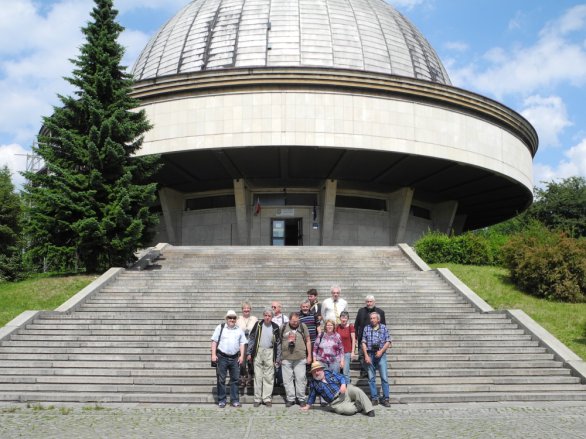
(241, 212)
(442, 216)
(172, 204)
(458, 225)
(329, 208)
(398, 205)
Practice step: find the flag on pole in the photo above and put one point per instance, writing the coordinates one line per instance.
(257, 206)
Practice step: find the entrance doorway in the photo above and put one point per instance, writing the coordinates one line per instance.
(287, 231)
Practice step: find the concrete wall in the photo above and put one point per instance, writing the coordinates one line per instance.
(416, 227)
(209, 227)
(334, 119)
(360, 227)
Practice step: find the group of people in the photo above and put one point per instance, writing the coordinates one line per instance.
(317, 341)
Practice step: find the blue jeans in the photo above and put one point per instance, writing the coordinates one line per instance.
(379, 364)
(347, 359)
(224, 366)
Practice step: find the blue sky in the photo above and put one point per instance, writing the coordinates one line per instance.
(528, 54)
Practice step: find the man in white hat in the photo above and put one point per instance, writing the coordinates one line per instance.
(228, 343)
(334, 389)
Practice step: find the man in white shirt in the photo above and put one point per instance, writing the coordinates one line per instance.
(333, 306)
(228, 343)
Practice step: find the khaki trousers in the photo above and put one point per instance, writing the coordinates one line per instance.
(264, 375)
(353, 401)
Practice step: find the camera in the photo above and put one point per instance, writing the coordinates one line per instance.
(247, 333)
(375, 347)
(291, 345)
(214, 364)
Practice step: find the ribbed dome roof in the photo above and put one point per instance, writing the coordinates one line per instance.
(367, 35)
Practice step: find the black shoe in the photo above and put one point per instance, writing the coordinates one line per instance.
(363, 374)
(302, 404)
(375, 401)
(386, 403)
(370, 414)
(289, 403)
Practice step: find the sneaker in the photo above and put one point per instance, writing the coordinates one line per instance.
(222, 404)
(289, 403)
(370, 414)
(268, 403)
(386, 403)
(302, 404)
(374, 401)
(236, 404)
(256, 404)
(323, 404)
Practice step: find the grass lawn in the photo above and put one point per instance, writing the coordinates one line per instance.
(566, 321)
(40, 292)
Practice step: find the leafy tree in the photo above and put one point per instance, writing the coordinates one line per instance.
(89, 208)
(562, 206)
(10, 211)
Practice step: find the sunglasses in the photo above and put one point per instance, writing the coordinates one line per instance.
(231, 318)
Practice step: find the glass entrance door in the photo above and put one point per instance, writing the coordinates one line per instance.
(287, 231)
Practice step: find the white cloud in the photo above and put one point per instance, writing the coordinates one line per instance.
(457, 46)
(14, 156)
(574, 164)
(406, 4)
(549, 117)
(170, 5)
(557, 56)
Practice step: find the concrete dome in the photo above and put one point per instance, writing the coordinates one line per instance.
(364, 35)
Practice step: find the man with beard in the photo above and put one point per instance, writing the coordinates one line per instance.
(296, 353)
(362, 321)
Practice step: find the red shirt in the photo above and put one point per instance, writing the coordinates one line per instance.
(345, 336)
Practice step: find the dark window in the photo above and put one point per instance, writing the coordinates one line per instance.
(286, 199)
(210, 202)
(361, 203)
(420, 212)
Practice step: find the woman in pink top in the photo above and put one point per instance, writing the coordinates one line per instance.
(328, 348)
(348, 336)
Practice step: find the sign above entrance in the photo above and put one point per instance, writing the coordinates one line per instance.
(285, 212)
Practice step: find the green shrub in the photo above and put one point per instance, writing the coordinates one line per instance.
(468, 249)
(434, 247)
(547, 264)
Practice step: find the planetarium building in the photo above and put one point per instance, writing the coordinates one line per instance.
(320, 122)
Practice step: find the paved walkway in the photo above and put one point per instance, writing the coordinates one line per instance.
(502, 420)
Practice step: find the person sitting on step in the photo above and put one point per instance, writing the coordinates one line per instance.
(343, 397)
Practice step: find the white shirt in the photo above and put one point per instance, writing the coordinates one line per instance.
(280, 320)
(327, 308)
(231, 340)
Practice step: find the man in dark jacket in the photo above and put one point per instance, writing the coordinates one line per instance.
(363, 320)
(264, 350)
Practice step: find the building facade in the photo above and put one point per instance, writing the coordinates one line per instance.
(320, 122)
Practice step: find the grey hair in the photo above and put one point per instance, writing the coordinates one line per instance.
(268, 309)
(375, 313)
(336, 287)
(369, 297)
(306, 302)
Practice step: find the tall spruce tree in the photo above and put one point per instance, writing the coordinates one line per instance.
(90, 206)
(10, 210)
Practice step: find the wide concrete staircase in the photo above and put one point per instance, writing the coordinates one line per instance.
(145, 337)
